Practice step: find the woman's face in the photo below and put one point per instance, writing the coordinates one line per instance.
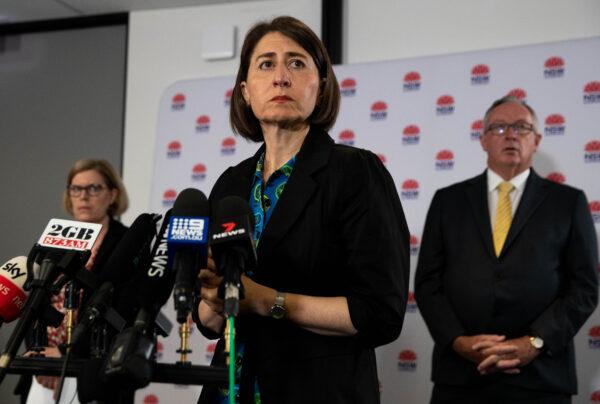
(90, 197)
(282, 84)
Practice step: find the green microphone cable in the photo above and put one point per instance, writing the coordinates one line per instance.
(230, 343)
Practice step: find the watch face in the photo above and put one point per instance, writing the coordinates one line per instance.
(277, 312)
(537, 342)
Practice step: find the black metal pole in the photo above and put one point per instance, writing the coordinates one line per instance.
(331, 25)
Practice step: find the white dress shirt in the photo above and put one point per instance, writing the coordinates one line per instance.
(494, 180)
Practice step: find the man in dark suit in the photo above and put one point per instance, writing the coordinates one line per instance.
(506, 274)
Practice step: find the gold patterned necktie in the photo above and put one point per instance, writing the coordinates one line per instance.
(503, 216)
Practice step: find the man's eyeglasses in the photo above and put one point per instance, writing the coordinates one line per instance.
(91, 190)
(519, 128)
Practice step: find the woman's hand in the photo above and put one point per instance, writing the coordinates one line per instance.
(210, 309)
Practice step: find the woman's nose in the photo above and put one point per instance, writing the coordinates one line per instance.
(281, 76)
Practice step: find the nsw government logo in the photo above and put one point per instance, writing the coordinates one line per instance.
(476, 129)
(480, 74)
(411, 303)
(554, 67)
(594, 337)
(407, 361)
(227, 100)
(414, 245)
(592, 152)
(348, 87)
(412, 81)
(410, 189)
(445, 105)
(160, 348)
(595, 397)
(346, 137)
(410, 134)
(228, 146)
(210, 351)
(169, 197)
(591, 92)
(555, 125)
(557, 177)
(379, 111)
(178, 102)
(382, 158)
(174, 149)
(444, 160)
(199, 172)
(151, 399)
(518, 93)
(202, 124)
(595, 211)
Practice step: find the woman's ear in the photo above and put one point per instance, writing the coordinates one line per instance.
(245, 92)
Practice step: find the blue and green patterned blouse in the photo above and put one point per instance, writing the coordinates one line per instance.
(263, 199)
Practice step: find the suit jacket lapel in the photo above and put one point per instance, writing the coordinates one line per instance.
(535, 192)
(240, 182)
(477, 196)
(299, 189)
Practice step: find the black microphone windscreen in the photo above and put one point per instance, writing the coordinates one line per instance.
(232, 206)
(156, 280)
(190, 202)
(134, 242)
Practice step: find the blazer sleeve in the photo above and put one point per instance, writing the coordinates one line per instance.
(442, 322)
(558, 324)
(376, 240)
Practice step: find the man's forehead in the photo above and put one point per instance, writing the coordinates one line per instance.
(511, 110)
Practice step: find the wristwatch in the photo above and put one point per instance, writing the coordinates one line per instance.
(278, 309)
(536, 342)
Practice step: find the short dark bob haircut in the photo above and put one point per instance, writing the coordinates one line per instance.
(325, 113)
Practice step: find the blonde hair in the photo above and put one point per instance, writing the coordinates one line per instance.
(111, 177)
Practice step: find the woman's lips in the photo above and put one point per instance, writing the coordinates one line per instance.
(281, 98)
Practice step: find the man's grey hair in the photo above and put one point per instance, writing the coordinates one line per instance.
(509, 99)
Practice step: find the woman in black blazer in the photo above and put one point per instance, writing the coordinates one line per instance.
(332, 241)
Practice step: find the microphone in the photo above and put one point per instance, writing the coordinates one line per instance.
(157, 282)
(188, 246)
(13, 274)
(116, 272)
(129, 357)
(233, 248)
(63, 247)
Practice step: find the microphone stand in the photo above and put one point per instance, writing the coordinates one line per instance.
(71, 304)
(42, 278)
(231, 266)
(183, 351)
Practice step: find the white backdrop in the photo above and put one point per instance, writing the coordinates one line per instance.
(422, 116)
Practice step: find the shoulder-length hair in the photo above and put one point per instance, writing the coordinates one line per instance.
(111, 177)
(242, 118)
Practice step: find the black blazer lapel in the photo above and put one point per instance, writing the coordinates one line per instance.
(535, 192)
(313, 155)
(242, 176)
(477, 196)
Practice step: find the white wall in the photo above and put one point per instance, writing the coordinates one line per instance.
(164, 47)
(395, 29)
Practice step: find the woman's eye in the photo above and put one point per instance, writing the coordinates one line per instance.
(267, 64)
(296, 63)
